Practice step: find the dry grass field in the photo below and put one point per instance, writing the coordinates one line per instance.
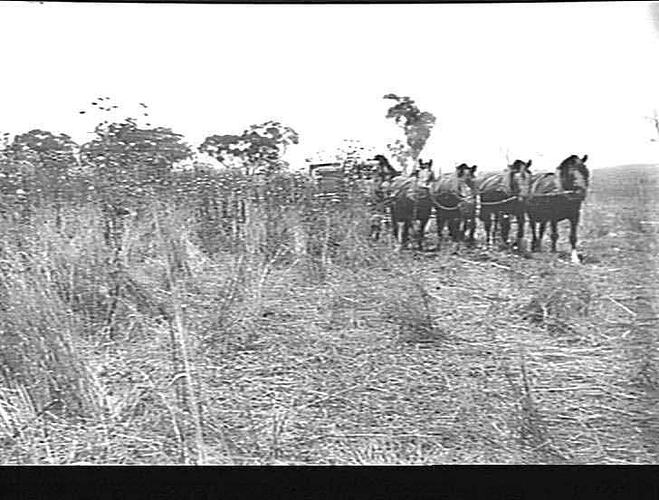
(349, 354)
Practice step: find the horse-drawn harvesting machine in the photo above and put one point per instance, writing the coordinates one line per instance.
(333, 180)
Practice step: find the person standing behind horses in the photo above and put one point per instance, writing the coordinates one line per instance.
(382, 179)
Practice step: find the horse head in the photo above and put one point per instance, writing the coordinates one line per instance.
(466, 176)
(424, 172)
(519, 173)
(573, 174)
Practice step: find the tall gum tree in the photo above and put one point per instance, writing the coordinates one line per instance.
(416, 124)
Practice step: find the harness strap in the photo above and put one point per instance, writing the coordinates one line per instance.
(477, 202)
(438, 205)
(491, 203)
(560, 193)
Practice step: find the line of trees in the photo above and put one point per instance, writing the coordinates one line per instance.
(127, 162)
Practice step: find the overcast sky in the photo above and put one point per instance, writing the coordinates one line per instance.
(542, 81)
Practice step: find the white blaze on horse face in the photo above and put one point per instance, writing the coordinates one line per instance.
(579, 181)
(521, 184)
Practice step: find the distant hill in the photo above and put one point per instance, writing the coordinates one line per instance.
(629, 167)
(626, 180)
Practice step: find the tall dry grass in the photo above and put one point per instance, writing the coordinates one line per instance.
(291, 338)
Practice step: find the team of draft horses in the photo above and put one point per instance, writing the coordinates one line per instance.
(461, 197)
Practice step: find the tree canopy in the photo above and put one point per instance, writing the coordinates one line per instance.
(416, 124)
(124, 153)
(38, 160)
(260, 148)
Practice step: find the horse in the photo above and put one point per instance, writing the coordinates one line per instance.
(381, 178)
(455, 198)
(557, 196)
(502, 196)
(410, 202)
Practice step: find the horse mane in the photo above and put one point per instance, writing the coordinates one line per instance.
(568, 161)
(574, 160)
(517, 164)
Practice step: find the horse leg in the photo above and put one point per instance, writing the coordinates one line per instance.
(574, 223)
(452, 231)
(416, 234)
(456, 233)
(394, 225)
(401, 235)
(376, 227)
(455, 229)
(535, 243)
(440, 229)
(486, 218)
(505, 228)
(541, 233)
(404, 233)
(422, 231)
(554, 235)
(472, 231)
(408, 233)
(520, 229)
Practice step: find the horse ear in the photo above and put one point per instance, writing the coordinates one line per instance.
(583, 160)
(474, 168)
(528, 163)
(430, 163)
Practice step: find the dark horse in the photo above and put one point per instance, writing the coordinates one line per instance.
(503, 195)
(557, 196)
(410, 203)
(455, 197)
(381, 177)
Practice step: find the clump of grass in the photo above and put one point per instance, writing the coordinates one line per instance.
(559, 299)
(410, 311)
(38, 348)
(533, 434)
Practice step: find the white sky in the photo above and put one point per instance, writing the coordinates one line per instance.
(541, 80)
